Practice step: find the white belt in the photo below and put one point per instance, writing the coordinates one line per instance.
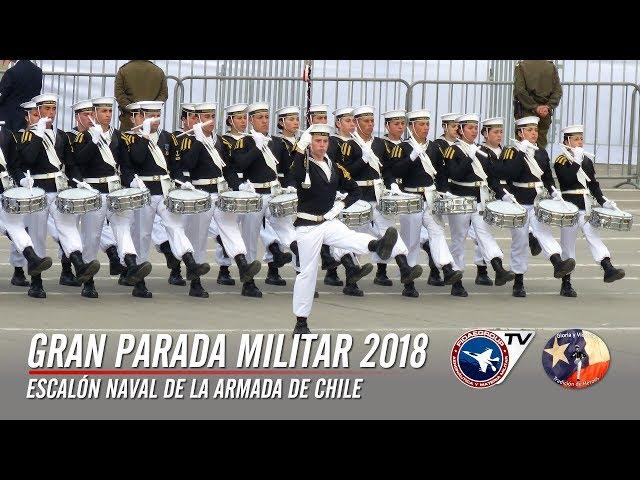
(186, 174)
(266, 184)
(154, 178)
(281, 175)
(419, 189)
(503, 182)
(579, 191)
(369, 183)
(102, 179)
(479, 183)
(528, 185)
(205, 181)
(308, 216)
(45, 176)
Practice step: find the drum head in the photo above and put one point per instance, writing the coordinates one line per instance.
(239, 194)
(125, 192)
(558, 207)
(359, 206)
(77, 193)
(285, 197)
(612, 213)
(182, 194)
(500, 206)
(22, 192)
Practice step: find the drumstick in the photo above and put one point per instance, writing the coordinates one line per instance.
(153, 120)
(208, 122)
(29, 183)
(561, 199)
(90, 187)
(514, 197)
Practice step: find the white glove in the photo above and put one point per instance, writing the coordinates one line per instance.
(26, 182)
(290, 190)
(415, 153)
(333, 213)
(305, 140)
(578, 153)
(473, 148)
(146, 126)
(607, 203)
(341, 196)
(556, 194)
(198, 133)
(137, 183)
(247, 187)
(508, 197)
(367, 153)
(41, 126)
(187, 186)
(524, 145)
(260, 140)
(96, 134)
(395, 189)
(448, 195)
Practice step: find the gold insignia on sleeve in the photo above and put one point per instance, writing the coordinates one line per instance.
(345, 172)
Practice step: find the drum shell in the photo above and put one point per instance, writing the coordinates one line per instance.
(556, 219)
(399, 205)
(504, 219)
(610, 222)
(283, 208)
(188, 206)
(454, 205)
(356, 218)
(232, 204)
(22, 206)
(78, 206)
(118, 203)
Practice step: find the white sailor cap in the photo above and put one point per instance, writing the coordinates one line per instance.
(45, 99)
(288, 111)
(320, 129)
(133, 107)
(319, 108)
(449, 117)
(236, 108)
(363, 110)
(188, 107)
(82, 106)
(573, 129)
(394, 115)
(205, 107)
(419, 115)
(258, 107)
(30, 105)
(493, 122)
(468, 118)
(103, 102)
(344, 111)
(150, 106)
(531, 120)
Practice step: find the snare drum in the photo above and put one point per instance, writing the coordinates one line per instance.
(505, 214)
(187, 202)
(20, 200)
(556, 213)
(611, 219)
(401, 204)
(454, 205)
(284, 205)
(360, 213)
(239, 202)
(78, 201)
(128, 199)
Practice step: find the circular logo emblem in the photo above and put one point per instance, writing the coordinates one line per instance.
(479, 358)
(576, 358)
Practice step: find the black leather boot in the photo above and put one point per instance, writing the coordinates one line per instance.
(197, 289)
(224, 276)
(35, 264)
(534, 245)
(134, 273)
(194, 270)
(561, 267)
(451, 276)
(384, 245)
(502, 276)
(140, 290)
(410, 290)
(280, 258)
(19, 279)
(381, 276)
(175, 277)
(331, 278)
(327, 260)
(67, 277)
(84, 271)
(250, 289)
(434, 274)
(481, 276)
(36, 290)
(407, 274)
(458, 290)
(352, 289)
(89, 289)
(247, 270)
(518, 286)
(301, 326)
(115, 267)
(273, 277)
(566, 290)
(611, 273)
(354, 272)
(172, 262)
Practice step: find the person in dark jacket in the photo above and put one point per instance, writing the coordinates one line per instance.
(19, 84)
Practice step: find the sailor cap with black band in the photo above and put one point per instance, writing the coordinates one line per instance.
(394, 115)
(320, 129)
(205, 107)
(288, 112)
(343, 112)
(319, 109)
(235, 109)
(187, 108)
(150, 105)
(527, 121)
(363, 111)
(449, 117)
(45, 99)
(133, 107)
(82, 106)
(103, 102)
(30, 105)
(468, 118)
(573, 130)
(422, 114)
(257, 107)
(492, 122)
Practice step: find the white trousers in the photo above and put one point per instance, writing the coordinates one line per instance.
(14, 226)
(64, 228)
(172, 223)
(459, 226)
(310, 239)
(520, 241)
(568, 235)
(478, 259)
(107, 238)
(93, 226)
(411, 226)
(377, 227)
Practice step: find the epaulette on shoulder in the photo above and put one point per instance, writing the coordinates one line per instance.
(175, 140)
(345, 172)
(226, 142)
(508, 153)
(449, 152)
(561, 159)
(79, 137)
(185, 144)
(26, 136)
(239, 144)
(396, 152)
(126, 138)
(345, 148)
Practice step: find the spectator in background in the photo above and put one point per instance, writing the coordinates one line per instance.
(135, 81)
(20, 83)
(537, 91)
